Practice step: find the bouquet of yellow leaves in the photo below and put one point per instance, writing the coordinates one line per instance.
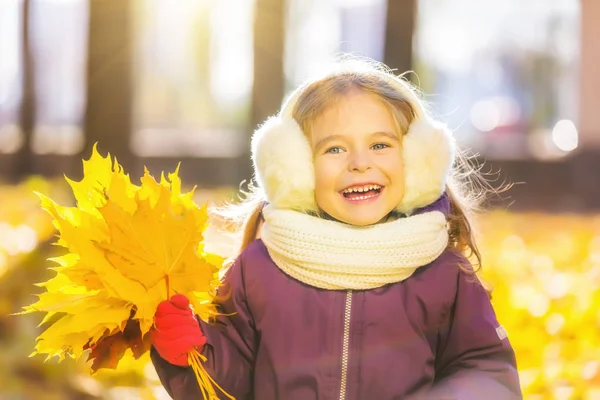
(130, 248)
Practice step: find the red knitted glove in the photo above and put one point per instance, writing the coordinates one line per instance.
(176, 330)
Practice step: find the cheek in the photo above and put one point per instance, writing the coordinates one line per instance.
(398, 171)
(325, 177)
(394, 169)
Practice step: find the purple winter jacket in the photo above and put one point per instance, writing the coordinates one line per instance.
(432, 336)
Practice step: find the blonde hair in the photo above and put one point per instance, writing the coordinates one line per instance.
(465, 187)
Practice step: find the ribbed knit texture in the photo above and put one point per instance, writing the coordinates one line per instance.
(336, 256)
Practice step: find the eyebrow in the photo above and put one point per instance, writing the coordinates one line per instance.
(389, 135)
(329, 138)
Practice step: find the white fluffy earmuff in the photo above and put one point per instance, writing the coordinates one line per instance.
(283, 159)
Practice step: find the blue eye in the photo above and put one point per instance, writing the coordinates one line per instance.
(380, 146)
(334, 150)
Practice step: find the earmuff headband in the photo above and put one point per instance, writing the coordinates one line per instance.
(283, 159)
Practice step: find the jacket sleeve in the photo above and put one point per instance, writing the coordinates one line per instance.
(474, 358)
(230, 349)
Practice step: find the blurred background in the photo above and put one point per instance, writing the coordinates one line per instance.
(156, 82)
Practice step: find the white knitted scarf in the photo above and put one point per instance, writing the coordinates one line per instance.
(336, 256)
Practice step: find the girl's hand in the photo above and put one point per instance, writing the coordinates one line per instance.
(176, 330)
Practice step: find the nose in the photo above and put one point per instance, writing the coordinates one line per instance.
(359, 162)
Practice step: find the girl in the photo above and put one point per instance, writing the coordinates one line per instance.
(357, 287)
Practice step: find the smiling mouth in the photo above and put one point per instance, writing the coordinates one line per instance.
(358, 193)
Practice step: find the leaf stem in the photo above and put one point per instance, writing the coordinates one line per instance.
(168, 287)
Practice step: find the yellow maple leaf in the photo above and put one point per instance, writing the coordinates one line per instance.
(129, 248)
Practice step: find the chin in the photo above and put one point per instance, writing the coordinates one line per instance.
(362, 220)
(362, 223)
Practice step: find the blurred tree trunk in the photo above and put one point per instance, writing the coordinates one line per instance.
(589, 79)
(269, 80)
(108, 119)
(586, 162)
(24, 158)
(399, 30)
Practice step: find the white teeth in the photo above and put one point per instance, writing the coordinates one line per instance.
(362, 189)
(358, 198)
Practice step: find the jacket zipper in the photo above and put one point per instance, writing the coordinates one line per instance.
(345, 345)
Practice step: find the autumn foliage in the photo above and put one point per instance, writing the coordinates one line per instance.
(129, 248)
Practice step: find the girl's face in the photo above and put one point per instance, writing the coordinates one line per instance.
(359, 173)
